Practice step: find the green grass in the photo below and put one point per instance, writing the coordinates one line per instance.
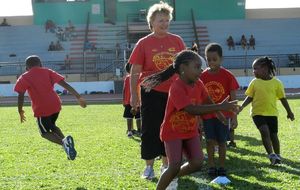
(107, 159)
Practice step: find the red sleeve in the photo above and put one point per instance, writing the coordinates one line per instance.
(178, 97)
(21, 85)
(55, 77)
(138, 54)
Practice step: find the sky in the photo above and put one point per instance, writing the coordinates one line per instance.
(23, 7)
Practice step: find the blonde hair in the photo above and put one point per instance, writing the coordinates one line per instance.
(161, 7)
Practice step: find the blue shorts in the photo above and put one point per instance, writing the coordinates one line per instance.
(214, 129)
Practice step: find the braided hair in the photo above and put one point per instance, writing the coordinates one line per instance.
(183, 57)
(266, 62)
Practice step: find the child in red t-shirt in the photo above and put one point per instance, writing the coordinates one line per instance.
(129, 113)
(179, 130)
(46, 105)
(220, 84)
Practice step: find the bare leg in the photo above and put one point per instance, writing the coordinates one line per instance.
(168, 175)
(222, 154)
(129, 124)
(139, 125)
(266, 139)
(275, 142)
(190, 167)
(210, 147)
(53, 137)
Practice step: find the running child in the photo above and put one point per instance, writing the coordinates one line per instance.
(39, 82)
(129, 113)
(220, 84)
(263, 92)
(179, 130)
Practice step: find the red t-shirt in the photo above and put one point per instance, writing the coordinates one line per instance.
(179, 124)
(219, 86)
(39, 82)
(126, 90)
(156, 54)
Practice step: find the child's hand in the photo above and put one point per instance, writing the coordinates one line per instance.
(290, 116)
(234, 123)
(222, 118)
(22, 116)
(82, 102)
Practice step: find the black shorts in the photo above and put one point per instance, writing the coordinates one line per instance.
(270, 121)
(153, 111)
(47, 124)
(127, 113)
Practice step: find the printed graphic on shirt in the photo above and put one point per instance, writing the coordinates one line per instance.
(183, 122)
(163, 60)
(215, 90)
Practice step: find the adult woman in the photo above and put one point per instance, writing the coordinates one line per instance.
(153, 53)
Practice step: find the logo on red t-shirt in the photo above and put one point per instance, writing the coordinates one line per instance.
(163, 60)
(215, 90)
(183, 122)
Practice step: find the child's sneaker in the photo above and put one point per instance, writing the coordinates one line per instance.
(69, 147)
(273, 158)
(278, 159)
(129, 134)
(148, 173)
(222, 172)
(173, 185)
(163, 168)
(212, 172)
(231, 144)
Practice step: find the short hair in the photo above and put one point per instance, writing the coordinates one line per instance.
(214, 47)
(161, 7)
(32, 60)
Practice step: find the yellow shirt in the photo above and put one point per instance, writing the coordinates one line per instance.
(265, 94)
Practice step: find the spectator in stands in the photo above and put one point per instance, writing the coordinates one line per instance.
(4, 22)
(153, 53)
(89, 45)
(51, 46)
(67, 62)
(251, 42)
(70, 26)
(58, 46)
(243, 41)
(49, 25)
(230, 43)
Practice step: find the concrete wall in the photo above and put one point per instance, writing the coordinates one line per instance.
(272, 13)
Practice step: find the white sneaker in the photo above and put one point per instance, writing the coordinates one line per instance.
(148, 173)
(163, 168)
(173, 185)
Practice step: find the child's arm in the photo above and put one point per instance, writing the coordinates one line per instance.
(219, 114)
(245, 103)
(65, 85)
(234, 121)
(209, 108)
(290, 114)
(20, 106)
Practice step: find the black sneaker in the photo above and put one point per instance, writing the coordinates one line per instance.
(231, 144)
(222, 172)
(212, 172)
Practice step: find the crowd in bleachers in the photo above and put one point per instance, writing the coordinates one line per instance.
(244, 43)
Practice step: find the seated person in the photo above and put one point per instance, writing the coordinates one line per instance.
(251, 42)
(49, 25)
(89, 45)
(230, 43)
(4, 22)
(243, 41)
(58, 46)
(51, 46)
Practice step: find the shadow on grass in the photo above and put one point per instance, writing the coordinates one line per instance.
(250, 140)
(80, 188)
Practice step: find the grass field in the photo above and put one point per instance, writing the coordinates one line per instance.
(107, 159)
